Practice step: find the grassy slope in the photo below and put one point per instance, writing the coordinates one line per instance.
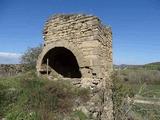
(31, 98)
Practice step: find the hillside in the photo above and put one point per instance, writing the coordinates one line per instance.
(152, 66)
(149, 66)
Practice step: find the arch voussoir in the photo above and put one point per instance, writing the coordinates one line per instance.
(78, 54)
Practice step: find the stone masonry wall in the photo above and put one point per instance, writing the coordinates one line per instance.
(84, 32)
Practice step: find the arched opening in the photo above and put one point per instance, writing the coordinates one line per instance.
(63, 62)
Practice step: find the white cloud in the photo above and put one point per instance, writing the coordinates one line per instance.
(9, 54)
(9, 58)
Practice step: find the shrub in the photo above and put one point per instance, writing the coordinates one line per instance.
(29, 58)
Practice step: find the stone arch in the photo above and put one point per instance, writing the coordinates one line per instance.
(69, 46)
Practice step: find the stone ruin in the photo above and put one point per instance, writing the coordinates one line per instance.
(78, 48)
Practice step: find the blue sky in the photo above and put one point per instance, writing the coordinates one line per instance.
(135, 25)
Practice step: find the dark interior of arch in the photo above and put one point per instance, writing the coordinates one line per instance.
(63, 62)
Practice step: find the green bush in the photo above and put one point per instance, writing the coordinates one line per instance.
(29, 58)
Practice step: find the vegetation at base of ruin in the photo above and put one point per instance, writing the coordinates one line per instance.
(120, 93)
(136, 84)
(29, 58)
(29, 97)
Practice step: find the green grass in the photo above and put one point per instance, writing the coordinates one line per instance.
(151, 91)
(29, 97)
(146, 112)
(146, 90)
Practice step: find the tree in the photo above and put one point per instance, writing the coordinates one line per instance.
(29, 58)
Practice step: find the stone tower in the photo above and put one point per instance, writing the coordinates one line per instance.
(78, 47)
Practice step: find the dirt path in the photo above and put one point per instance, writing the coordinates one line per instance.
(147, 102)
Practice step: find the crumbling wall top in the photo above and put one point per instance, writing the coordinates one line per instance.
(72, 25)
(67, 17)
